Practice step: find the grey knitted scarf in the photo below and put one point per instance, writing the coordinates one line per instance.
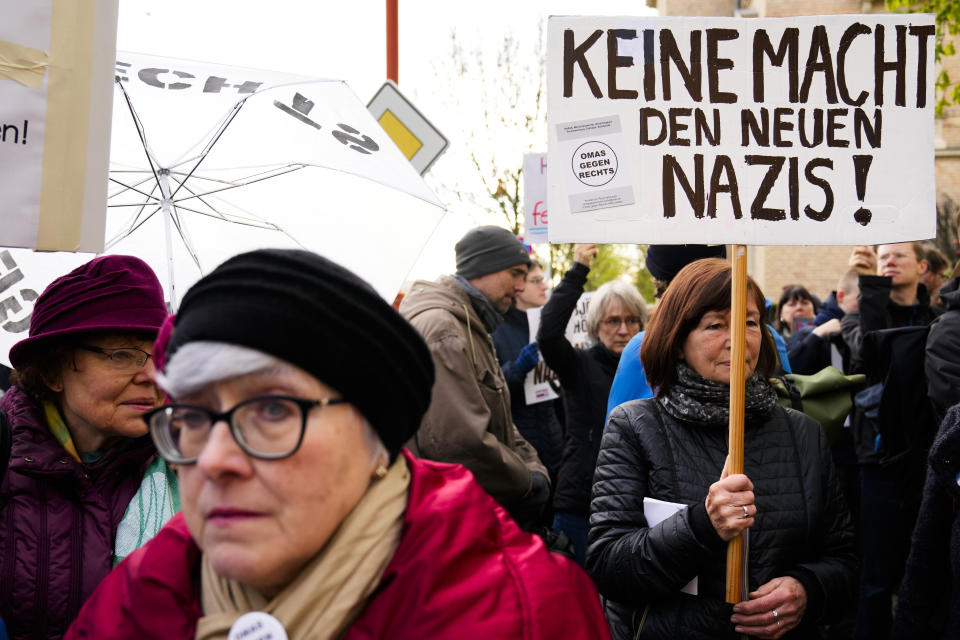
(693, 398)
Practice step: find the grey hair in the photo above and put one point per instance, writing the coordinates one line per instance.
(202, 363)
(199, 364)
(607, 293)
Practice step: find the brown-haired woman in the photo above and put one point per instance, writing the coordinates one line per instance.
(795, 302)
(674, 447)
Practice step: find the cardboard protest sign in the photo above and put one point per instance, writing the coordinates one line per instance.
(541, 383)
(56, 77)
(535, 198)
(808, 130)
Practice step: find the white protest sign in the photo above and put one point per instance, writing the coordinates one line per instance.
(56, 77)
(540, 383)
(807, 130)
(24, 274)
(535, 198)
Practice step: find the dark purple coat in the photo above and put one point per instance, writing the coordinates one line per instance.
(58, 521)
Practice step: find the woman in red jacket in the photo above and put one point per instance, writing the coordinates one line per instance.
(294, 388)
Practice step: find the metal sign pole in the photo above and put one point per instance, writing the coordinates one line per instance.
(393, 64)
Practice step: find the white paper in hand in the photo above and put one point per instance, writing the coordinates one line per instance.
(656, 511)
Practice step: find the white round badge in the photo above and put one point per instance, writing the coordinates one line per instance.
(257, 625)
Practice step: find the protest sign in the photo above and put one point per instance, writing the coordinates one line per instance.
(541, 383)
(56, 77)
(807, 130)
(535, 198)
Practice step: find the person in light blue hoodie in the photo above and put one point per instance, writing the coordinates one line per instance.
(664, 262)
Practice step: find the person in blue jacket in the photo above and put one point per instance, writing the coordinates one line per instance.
(664, 262)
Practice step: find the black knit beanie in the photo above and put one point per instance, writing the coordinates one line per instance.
(306, 310)
(664, 261)
(487, 250)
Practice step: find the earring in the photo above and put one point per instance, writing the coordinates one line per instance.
(380, 472)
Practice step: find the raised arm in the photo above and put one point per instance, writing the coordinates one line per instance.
(557, 351)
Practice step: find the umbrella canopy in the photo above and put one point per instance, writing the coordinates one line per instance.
(209, 161)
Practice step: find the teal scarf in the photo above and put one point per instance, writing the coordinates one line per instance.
(155, 502)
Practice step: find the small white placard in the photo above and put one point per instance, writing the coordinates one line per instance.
(656, 511)
(540, 382)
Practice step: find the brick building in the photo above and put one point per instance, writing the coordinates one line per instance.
(819, 267)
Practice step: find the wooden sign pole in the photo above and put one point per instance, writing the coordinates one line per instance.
(738, 336)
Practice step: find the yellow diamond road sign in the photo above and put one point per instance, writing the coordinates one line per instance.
(416, 137)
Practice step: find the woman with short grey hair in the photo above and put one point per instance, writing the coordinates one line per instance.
(616, 313)
(608, 294)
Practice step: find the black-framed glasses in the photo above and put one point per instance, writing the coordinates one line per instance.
(265, 427)
(121, 358)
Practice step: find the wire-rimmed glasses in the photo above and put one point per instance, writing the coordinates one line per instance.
(121, 358)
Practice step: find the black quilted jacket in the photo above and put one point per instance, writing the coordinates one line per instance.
(802, 527)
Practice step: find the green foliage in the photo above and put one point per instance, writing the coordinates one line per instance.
(613, 261)
(560, 260)
(610, 264)
(644, 283)
(947, 14)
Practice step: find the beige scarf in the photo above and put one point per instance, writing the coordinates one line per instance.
(332, 588)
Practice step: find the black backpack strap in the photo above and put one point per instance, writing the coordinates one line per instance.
(796, 401)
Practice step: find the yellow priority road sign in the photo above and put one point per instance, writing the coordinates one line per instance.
(420, 141)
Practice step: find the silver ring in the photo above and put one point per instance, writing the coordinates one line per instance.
(776, 615)
(746, 514)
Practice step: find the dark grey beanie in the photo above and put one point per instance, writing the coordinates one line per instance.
(489, 249)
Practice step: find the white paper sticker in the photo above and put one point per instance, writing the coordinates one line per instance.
(598, 177)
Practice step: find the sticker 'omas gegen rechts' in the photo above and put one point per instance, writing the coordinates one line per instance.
(596, 179)
(812, 130)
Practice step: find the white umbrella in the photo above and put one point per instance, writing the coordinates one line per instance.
(208, 161)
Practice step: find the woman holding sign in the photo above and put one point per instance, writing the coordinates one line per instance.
(798, 534)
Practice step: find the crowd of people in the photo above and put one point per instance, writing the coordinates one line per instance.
(290, 455)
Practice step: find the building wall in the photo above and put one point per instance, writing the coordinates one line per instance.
(817, 268)
(784, 8)
(696, 7)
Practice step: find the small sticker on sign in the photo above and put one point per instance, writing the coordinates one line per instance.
(597, 178)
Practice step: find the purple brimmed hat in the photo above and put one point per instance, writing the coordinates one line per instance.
(109, 293)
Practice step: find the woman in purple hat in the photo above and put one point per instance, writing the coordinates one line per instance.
(83, 484)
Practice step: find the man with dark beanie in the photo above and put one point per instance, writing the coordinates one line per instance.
(469, 420)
